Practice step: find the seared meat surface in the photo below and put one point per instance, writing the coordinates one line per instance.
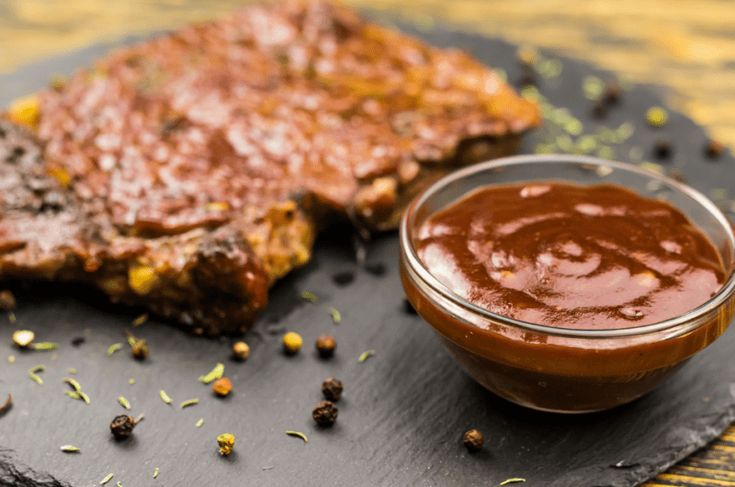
(189, 172)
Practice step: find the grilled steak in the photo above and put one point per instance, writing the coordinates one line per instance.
(189, 172)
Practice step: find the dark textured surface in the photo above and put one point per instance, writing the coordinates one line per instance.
(404, 410)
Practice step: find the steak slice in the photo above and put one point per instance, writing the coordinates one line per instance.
(192, 169)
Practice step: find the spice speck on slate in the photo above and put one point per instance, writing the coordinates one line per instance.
(662, 149)
(332, 389)
(122, 426)
(375, 268)
(78, 341)
(473, 440)
(713, 148)
(222, 387)
(292, 342)
(240, 351)
(226, 443)
(325, 413)
(325, 345)
(7, 301)
(343, 278)
(139, 349)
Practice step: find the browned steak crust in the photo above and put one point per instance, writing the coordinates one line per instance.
(185, 153)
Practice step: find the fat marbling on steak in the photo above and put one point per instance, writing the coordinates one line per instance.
(193, 169)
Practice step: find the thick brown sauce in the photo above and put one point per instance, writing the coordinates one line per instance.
(570, 256)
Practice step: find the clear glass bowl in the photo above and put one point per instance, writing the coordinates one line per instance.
(564, 369)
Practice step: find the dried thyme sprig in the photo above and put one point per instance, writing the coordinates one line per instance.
(123, 402)
(365, 355)
(70, 449)
(188, 403)
(336, 315)
(34, 371)
(214, 374)
(298, 434)
(115, 347)
(164, 397)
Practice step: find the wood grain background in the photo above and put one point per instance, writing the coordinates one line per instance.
(686, 46)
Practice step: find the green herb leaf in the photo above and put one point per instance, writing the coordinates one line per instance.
(199, 423)
(73, 383)
(131, 381)
(164, 397)
(298, 434)
(44, 346)
(336, 315)
(114, 348)
(119, 484)
(365, 355)
(189, 402)
(107, 478)
(72, 371)
(33, 374)
(514, 480)
(70, 449)
(309, 296)
(216, 373)
(140, 319)
(84, 397)
(73, 394)
(156, 471)
(123, 402)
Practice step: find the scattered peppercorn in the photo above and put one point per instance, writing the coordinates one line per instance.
(7, 301)
(139, 349)
(375, 268)
(78, 341)
(343, 278)
(325, 345)
(292, 342)
(657, 117)
(611, 93)
(332, 389)
(240, 351)
(662, 149)
(226, 443)
(325, 413)
(713, 148)
(222, 387)
(122, 426)
(473, 440)
(23, 338)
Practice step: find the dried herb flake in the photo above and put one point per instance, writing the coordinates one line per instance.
(336, 315)
(309, 296)
(123, 402)
(70, 449)
(140, 319)
(33, 374)
(298, 434)
(107, 478)
(156, 471)
(365, 355)
(199, 423)
(214, 374)
(514, 480)
(189, 402)
(164, 397)
(115, 347)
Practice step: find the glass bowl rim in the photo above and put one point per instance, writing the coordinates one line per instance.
(422, 272)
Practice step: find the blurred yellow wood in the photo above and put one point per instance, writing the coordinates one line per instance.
(687, 46)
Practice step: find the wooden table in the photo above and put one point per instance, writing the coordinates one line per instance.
(685, 46)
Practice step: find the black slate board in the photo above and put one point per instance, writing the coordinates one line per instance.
(404, 410)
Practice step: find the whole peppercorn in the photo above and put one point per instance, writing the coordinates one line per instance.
(122, 426)
(325, 345)
(222, 387)
(240, 351)
(139, 349)
(7, 301)
(226, 443)
(662, 149)
(292, 342)
(325, 413)
(332, 389)
(473, 440)
(713, 148)
(23, 338)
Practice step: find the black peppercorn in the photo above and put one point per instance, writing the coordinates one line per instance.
(599, 109)
(343, 278)
(325, 413)
(611, 93)
(332, 389)
(78, 341)
(122, 426)
(662, 149)
(139, 349)
(325, 345)
(473, 440)
(713, 149)
(7, 301)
